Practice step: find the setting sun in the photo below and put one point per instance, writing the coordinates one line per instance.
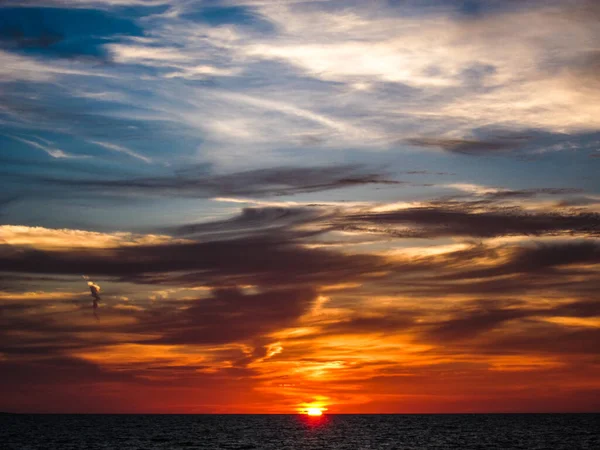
(314, 411)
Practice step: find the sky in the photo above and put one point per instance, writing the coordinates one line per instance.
(360, 206)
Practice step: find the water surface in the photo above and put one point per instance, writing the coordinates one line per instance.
(351, 432)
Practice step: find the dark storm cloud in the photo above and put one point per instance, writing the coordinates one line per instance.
(464, 219)
(275, 181)
(38, 330)
(231, 316)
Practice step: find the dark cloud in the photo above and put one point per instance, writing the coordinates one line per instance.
(467, 219)
(528, 193)
(528, 144)
(473, 319)
(231, 316)
(256, 220)
(265, 260)
(424, 172)
(35, 337)
(542, 258)
(547, 339)
(387, 322)
(264, 246)
(56, 370)
(276, 181)
(471, 146)
(583, 308)
(472, 322)
(35, 328)
(556, 270)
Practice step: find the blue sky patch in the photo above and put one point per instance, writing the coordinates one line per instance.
(62, 32)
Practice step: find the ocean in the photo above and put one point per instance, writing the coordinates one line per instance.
(351, 432)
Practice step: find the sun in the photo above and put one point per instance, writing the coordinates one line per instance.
(314, 411)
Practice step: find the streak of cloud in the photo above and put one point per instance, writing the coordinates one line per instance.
(276, 181)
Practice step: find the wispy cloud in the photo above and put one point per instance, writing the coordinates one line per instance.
(121, 149)
(51, 151)
(276, 181)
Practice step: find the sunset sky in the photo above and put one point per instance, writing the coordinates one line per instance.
(359, 205)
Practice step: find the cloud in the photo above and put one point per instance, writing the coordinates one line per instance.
(122, 53)
(470, 323)
(549, 339)
(355, 44)
(84, 3)
(482, 308)
(51, 151)
(542, 258)
(15, 67)
(471, 220)
(238, 87)
(465, 325)
(122, 149)
(267, 261)
(231, 316)
(508, 327)
(276, 181)
(57, 370)
(528, 193)
(384, 322)
(48, 238)
(468, 146)
(284, 220)
(276, 244)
